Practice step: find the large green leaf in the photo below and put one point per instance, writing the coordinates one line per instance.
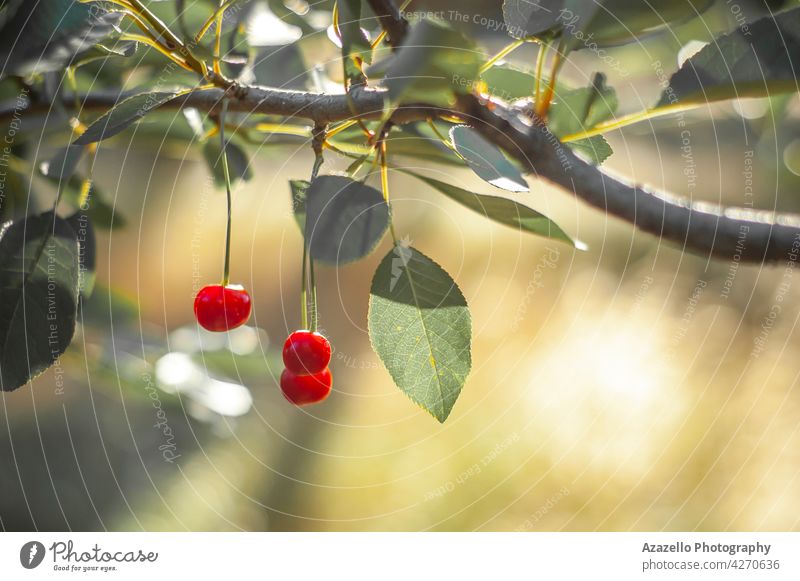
(760, 61)
(123, 115)
(593, 24)
(39, 276)
(500, 210)
(46, 35)
(345, 219)
(420, 326)
(486, 160)
(433, 64)
(598, 23)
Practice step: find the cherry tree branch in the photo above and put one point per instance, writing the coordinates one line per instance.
(733, 233)
(723, 232)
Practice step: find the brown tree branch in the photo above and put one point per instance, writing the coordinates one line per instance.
(733, 233)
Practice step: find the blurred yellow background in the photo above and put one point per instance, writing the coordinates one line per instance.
(614, 389)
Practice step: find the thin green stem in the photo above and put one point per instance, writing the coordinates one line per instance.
(172, 42)
(310, 298)
(213, 19)
(629, 119)
(385, 184)
(218, 39)
(504, 52)
(540, 58)
(543, 105)
(304, 288)
(313, 295)
(226, 272)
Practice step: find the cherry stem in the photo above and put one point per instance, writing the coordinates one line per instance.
(313, 296)
(304, 289)
(226, 272)
(385, 180)
(310, 298)
(543, 106)
(540, 58)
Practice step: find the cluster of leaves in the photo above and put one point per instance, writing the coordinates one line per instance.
(419, 322)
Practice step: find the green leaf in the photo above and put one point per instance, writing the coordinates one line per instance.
(508, 83)
(102, 52)
(500, 210)
(41, 36)
(356, 47)
(486, 160)
(575, 110)
(345, 219)
(123, 115)
(238, 162)
(39, 275)
(299, 190)
(531, 18)
(411, 140)
(63, 164)
(433, 64)
(420, 327)
(591, 24)
(279, 66)
(418, 141)
(596, 149)
(757, 61)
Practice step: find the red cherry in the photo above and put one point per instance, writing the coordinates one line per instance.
(306, 353)
(305, 389)
(222, 308)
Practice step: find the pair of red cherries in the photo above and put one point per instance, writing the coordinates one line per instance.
(306, 354)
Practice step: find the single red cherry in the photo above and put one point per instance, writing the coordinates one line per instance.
(306, 389)
(222, 308)
(306, 353)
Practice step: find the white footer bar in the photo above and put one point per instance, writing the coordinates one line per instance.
(390, 556)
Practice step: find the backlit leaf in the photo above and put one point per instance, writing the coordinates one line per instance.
(487, 160)
(760, 60)
(420, 327)
(123, 115)
(500, 210)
